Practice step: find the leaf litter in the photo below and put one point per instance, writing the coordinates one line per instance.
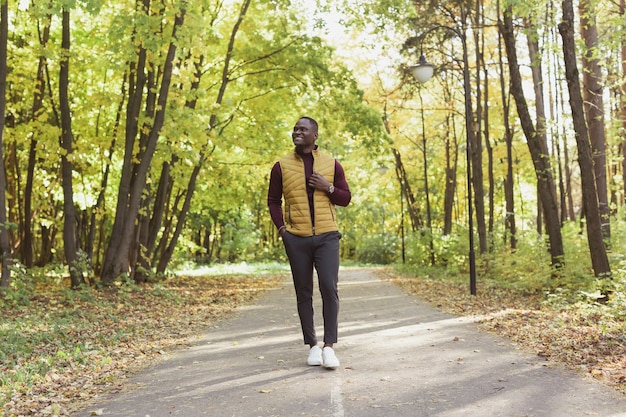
(77, 345)
(578, 336)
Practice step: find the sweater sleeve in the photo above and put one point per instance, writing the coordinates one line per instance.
(342, 195)
(275, 195)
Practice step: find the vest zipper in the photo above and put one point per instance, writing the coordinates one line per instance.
(313, 207)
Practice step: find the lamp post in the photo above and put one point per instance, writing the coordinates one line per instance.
(423, 71)
(402, 219)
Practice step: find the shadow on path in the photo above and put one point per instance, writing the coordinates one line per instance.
(399, 357)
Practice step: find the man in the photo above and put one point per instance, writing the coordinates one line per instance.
(312, 183)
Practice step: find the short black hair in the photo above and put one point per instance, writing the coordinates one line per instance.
(312, 120)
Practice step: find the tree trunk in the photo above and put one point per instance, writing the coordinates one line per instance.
(594, 109)
(482, 109)
(429, 222)
(561, 179)
(148, 236)
(169, 249)
(555, 114)
(412, 208)
(509, 195)
(26, 247)
(568, 184)
(540, 109)
(452, 158)
(5, 247)
(482, 131)
(70, 245)
(599, 258)
(622, 10)
(116, 261)
(490, 166)
(537, 145)
(94, 222)
(165, 249)
(476, 147)
(116, 258)
(48, 237)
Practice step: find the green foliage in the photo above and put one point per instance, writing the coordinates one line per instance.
(73, 296)
(82, 266)
(379, 250)
(239, 125)
(20, 289)
(527, 269)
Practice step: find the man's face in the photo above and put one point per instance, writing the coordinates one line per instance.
(304, 134)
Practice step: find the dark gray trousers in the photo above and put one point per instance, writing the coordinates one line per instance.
(321, 252)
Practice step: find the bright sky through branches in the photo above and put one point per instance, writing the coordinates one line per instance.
(371, 55)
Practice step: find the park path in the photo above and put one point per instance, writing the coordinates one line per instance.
(399, 357)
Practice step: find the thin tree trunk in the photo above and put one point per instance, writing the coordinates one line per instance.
(414, 212)
(537, 76)
(555, 116)
(26, 248)
(166, 256)
(452, 157)
(594, 109)
(490, 164)
(537, 145)
(5, 247)
(622, 9)
(429, 223)
(484, 111)
(139, 255)
(476, 148)
(412, 208)
(539, 221)
(70, 244)
(599, 257)
(164, 191)
(148, 239)
(96, 223)
(558, 109)
(509, 195)
(168, 225)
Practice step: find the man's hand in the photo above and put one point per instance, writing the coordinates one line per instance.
(318, 182)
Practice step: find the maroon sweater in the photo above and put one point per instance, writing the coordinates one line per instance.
(340, 197)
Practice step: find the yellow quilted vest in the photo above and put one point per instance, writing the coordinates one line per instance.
(296, 212)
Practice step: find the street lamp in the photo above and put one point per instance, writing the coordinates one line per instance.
(423, 71)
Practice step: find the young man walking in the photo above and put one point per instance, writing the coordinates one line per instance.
(312, 183)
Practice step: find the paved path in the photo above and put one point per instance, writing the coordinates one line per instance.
(399, 357)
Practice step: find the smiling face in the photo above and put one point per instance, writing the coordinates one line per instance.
(304, 135)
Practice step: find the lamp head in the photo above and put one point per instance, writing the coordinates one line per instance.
(422, 71)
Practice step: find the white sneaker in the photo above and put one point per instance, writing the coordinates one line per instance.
(315, 356)
(329, 358)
